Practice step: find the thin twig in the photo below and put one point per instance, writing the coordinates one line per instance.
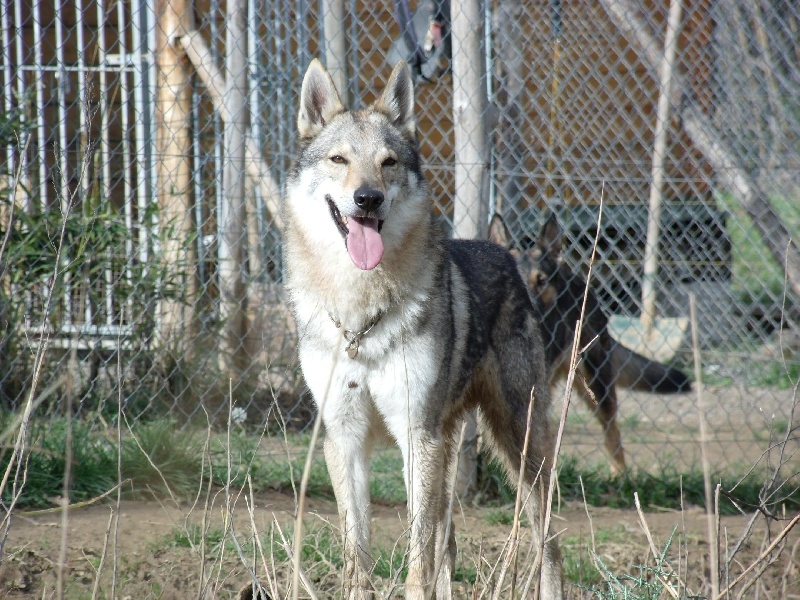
(653, 549)
(67, 507)
(573, 366)
(301, 500)
(273, 588)
(713, 541)
(99, 572)
(761, 557)
(512, 549)
(450, 501)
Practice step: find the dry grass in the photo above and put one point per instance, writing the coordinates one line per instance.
(301, 556)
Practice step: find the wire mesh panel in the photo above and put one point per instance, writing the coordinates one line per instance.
(126, 129)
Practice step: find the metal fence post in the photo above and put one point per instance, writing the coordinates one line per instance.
(231, 223)
(470, 201)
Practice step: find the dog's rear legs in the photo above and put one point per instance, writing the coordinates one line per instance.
(506, 425)
(348, 465)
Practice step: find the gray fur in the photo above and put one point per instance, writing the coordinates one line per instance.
(455, 331)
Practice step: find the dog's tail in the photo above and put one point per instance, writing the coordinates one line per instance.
(636, 372)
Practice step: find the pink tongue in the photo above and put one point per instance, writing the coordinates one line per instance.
(364, 243)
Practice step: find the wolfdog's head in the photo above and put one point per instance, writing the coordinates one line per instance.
(356, 184)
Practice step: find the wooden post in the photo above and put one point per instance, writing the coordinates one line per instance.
(335, 46)
(173, 147)
(232, 216)
(657, 171)
(470, 211)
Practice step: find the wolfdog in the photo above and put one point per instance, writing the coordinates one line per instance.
(402, 331)
(557, 293)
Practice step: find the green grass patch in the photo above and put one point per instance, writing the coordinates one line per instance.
(776, 374)
(94, 463)
(193, 536)
(159, 455)
(388, 564)
(386, 482)
(643, 583)
(578, 568)
(576, 554)
(655, 490)
(504, 516)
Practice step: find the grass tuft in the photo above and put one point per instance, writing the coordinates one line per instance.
(94, 468)
(162, 455)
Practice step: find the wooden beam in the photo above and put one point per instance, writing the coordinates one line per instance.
(200, 56)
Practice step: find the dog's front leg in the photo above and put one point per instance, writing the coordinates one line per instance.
(346, 414)
(347, 456)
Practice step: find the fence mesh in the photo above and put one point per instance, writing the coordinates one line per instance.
(126, 255)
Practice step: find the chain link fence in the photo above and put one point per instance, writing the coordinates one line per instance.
(145, 147)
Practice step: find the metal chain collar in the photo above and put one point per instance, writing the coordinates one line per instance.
(353, 338)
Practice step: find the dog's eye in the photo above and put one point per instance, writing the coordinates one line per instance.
(389, 162)
(339, 160)
(541, 280)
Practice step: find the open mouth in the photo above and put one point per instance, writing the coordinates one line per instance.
(362, 237)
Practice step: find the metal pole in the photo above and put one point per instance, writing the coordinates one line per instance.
(38, 42)
(232, 217)
(335, 46)
(469, 219)
(127, 167)
(470, 214)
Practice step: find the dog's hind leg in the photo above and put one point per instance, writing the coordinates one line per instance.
(504, 411)
(599, 372)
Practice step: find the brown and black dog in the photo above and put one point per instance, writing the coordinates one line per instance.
(557, 293)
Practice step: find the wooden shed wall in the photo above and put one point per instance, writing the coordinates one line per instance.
(604, 116)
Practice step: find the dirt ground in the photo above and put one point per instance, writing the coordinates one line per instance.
(153, 549)
(155, 560)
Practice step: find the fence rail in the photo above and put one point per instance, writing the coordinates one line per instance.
(113, 150)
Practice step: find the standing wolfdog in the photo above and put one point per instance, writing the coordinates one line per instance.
(401, 331)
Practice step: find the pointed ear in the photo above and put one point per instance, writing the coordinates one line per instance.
(397, 100)
(550, 238)
(319, 101)
(498, 232)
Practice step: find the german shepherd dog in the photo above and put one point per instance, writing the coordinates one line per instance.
(557, 293)
(402, 331)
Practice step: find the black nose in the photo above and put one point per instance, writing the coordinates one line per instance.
(368, 199)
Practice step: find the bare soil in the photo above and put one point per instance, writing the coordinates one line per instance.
(141, 555)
